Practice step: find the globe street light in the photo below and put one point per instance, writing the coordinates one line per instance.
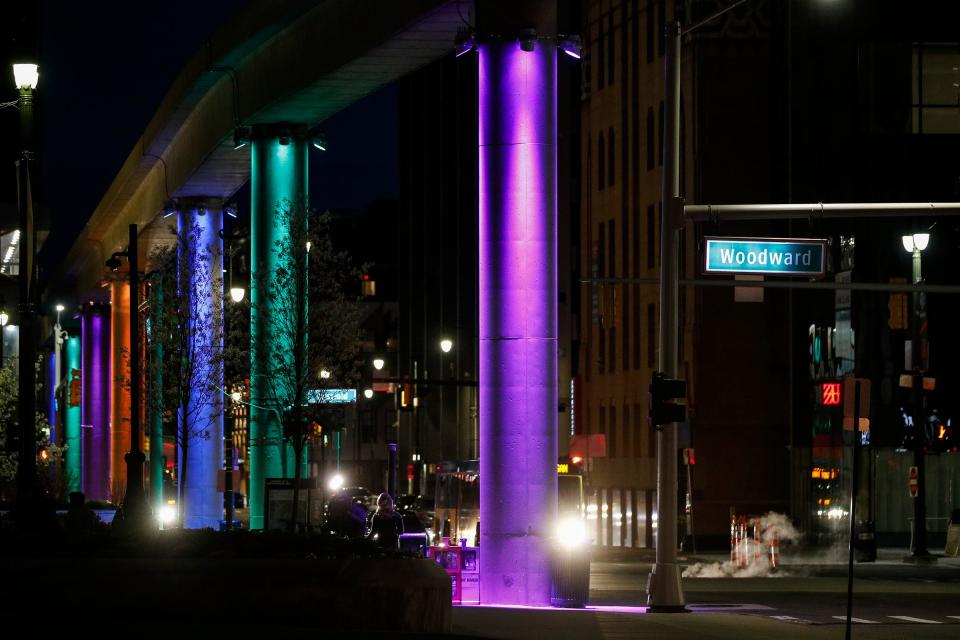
(914, 244)
(324, 374)
(378, 363)
(446, 345)
(237, 293)
(368, 393)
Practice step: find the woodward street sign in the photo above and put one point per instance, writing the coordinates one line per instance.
(766, 256)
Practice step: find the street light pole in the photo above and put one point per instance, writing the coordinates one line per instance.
(915, 244)
(134, 512)
(26, 77)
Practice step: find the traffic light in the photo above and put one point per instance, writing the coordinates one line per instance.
(75, 388)
(664, 394)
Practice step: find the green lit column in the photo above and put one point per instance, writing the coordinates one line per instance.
(278, 182)
(71, 431)
(156, 405)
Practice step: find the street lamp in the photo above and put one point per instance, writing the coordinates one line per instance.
(26, 77)
(378, 363)
(446, 345)
(237, 293)
(324, 374)
(368, 393)
(914, 244)
(134, 512)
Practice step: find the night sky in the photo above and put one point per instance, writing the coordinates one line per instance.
(104, 68)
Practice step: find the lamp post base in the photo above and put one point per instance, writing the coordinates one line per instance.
(664, 594)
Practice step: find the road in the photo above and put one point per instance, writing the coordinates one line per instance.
(805, 600)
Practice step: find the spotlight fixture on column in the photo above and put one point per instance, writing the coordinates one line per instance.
(528, 39)
(170, 208)
(320, 141)
(571, 45)
(113, 262)
(284, 136)
(230, 210)
(464, 43)
(241, 137)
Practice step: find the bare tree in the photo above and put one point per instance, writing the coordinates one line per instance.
(187, 324)
(315, 326)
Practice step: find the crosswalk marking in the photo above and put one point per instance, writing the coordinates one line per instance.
(912, 619)
(856, 620)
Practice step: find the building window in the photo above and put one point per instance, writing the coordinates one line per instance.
(662, 14)
(601, 163)
(651, 441)
(612, 306)
(601, 56)
(638, 425)
(602, 421)
(660, 138)
(610, 47)
(651, 336)
(628, 434)
(611, 157)
(651, 238)
(601, 332)
(636, 242)
(636, 327)
(936, 88)
(612, 441)
(651, 31)
(650, 149)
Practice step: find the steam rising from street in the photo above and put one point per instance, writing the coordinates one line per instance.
(776, 529)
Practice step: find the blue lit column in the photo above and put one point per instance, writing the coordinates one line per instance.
(278, 178)
(201, 437)
(518, 301)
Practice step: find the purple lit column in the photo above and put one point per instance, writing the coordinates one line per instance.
(201, 438)
(518, 305)
(95, 390)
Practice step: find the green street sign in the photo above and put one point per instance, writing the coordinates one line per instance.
(766, 256)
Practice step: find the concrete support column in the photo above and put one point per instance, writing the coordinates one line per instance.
(278, 181)
(119, 386)
(96, 399)
(200, 221)
(71, 419)
(518, 301)
(154, 408)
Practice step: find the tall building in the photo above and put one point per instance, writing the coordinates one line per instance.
(780, 102)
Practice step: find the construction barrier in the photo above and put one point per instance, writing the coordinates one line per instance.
(750, 542)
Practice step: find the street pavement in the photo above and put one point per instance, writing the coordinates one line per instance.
(805, 598)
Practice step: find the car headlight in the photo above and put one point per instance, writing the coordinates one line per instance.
(166, 515)
(572, 532)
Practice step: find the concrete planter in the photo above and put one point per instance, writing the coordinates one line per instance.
(399, 595)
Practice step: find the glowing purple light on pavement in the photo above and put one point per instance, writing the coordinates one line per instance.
(518, 320)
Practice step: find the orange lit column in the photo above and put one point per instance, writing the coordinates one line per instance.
(119, 386)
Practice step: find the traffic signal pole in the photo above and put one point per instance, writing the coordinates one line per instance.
(664, 593)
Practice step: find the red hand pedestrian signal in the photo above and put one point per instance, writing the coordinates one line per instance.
(830, 393)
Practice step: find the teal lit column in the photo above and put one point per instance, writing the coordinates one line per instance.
(278, 181)
(71, 430)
